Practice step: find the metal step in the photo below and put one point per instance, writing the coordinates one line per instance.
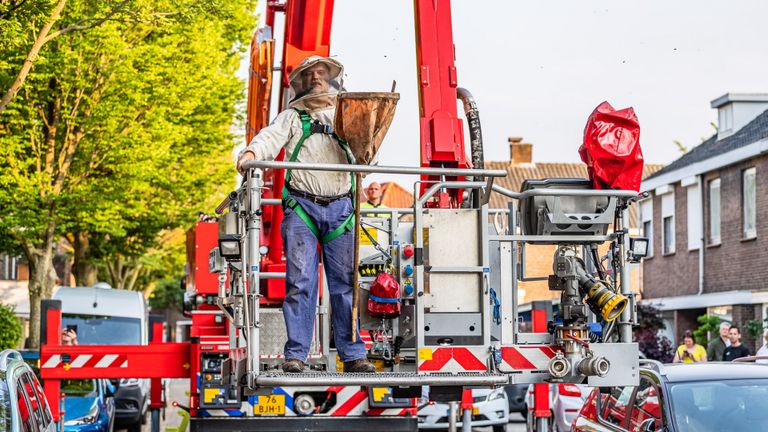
(309, 379)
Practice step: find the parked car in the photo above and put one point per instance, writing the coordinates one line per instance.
(516, 395)
(490, 408)
(88, 405)
(565, 402)
(104, 316)
(682, 397)
(23, 406)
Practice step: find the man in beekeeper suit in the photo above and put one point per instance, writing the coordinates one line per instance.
(318, 208)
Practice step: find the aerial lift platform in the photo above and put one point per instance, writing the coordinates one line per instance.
(457, 269)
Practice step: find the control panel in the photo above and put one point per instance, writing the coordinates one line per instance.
(214, 392)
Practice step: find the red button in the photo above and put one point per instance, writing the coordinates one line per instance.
(408, 251)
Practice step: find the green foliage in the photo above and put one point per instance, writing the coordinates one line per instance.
(10, 328)
(167, 293)
(755, 327)
(121, 131)
(708, 324)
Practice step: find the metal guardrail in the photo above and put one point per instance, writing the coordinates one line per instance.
(565, 192)
(272, 379)
(375, 169)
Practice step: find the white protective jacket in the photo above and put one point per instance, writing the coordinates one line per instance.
(284, 132)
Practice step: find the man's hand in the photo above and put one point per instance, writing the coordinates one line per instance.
(245, 157)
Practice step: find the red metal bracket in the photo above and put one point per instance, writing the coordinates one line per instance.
(540, 391)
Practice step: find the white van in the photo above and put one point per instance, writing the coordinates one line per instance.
(104, 316)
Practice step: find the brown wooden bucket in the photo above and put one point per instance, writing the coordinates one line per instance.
(362, 120)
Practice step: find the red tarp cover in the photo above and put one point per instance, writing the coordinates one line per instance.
(611, 148)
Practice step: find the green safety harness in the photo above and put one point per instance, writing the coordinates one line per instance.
(308, 128)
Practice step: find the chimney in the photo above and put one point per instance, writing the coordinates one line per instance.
(520, 152)
(735, 110)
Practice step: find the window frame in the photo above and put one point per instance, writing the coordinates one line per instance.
(600, 408)
(651, 383)
(646, 216)
(711, 240)
(668, 211)
(745, 233)
(664, 236)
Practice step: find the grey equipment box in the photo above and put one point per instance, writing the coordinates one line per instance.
(565, 215)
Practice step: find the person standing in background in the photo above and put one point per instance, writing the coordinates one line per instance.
(717, 346)
(737, 349)
(690, 351)
(763, 351)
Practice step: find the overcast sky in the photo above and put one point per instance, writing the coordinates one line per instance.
(537, 69)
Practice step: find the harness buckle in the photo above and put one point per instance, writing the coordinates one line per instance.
(318, 127)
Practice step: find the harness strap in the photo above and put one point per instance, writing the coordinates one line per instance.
(308, 128)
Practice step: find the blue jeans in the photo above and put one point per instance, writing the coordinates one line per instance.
(301, 254)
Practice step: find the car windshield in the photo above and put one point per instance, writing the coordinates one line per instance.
(720, 405)
(104, 330)
(5, 404)
(78, 387)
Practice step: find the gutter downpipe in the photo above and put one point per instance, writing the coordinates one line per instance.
(702, 240)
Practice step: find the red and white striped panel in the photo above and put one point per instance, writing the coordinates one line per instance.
(526, 357)
(86, 360)
(366, 337)
(350, 400)
(453, 359)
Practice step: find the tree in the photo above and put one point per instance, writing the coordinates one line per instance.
(10, 328)
(18, 10)
(119, 132)
(646, 334)
(708, 325)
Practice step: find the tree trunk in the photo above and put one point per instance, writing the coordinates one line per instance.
(85, 270)
(31, 56)
(42, 278)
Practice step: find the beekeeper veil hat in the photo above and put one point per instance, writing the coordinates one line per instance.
(315, 83)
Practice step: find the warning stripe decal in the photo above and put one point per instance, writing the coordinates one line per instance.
(526, 357)
(463, 359)
(351, 403)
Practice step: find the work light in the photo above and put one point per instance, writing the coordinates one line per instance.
(638, 248)
(229, 247)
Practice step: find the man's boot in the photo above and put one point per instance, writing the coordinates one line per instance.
(293, 366)
(360, 365)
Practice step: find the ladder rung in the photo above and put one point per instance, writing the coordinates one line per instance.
(309, 379)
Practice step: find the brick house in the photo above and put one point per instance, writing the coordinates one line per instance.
(538, 263)
(708, 220)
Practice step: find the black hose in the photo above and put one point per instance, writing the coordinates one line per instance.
(475, 133)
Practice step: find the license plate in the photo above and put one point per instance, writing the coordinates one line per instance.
(270, 405)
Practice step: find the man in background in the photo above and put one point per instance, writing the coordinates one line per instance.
(373, 196)
(736, 350)
(717, 346)
(763, 351)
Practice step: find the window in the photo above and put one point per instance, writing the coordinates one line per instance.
(749, 203)
(8, 267)
(668, 223)
(714, 211)
(613, 409)
(646, 217)
(646, 407)
(694, 216)
(725, 118)
(669, 235)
